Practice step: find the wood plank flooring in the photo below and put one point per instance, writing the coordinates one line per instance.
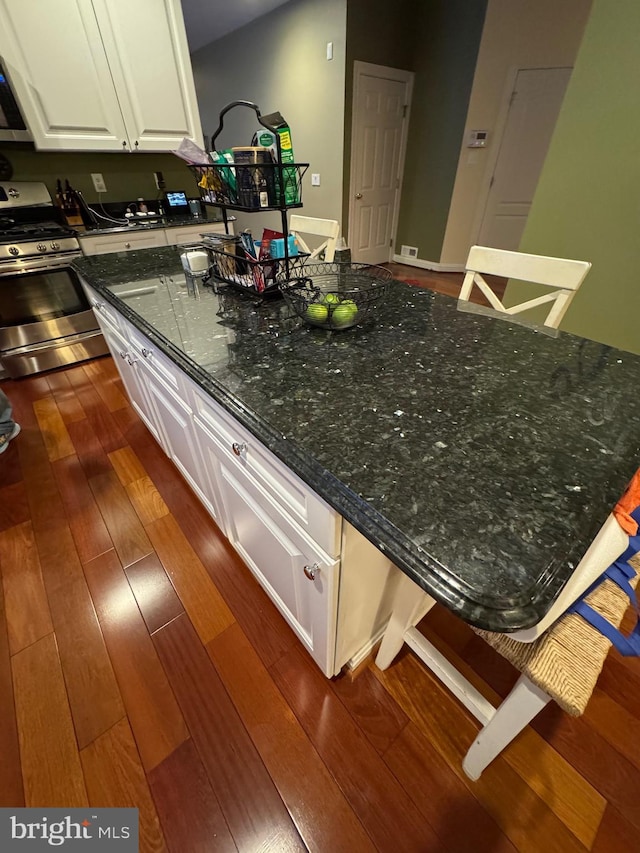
(142, 665)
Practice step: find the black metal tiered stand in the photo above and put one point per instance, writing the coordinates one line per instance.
(250, 188)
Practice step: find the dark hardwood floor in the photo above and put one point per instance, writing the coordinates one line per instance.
(448, 283)
(142, 665)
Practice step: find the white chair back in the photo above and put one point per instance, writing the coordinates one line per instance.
(563, 275)
(328, 228)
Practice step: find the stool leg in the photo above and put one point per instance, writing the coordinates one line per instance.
(513, 714)
(408, 600)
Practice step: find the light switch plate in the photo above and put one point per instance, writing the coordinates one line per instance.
(315, 180)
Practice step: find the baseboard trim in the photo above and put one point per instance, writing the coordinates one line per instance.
(427, 265)
(365, 652)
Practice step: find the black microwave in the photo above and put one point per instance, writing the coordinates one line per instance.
(12, 126)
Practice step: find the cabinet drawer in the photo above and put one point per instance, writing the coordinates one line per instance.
(105, 243)
(292, 496)
(154, 359)
(192, 233)
(104, 311)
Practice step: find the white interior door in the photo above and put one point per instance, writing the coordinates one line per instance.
(533, 112)
(381, 101)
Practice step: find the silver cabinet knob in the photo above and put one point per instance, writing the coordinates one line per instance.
(312, 572)
(98, 305)
(127, 245)
(123, 354)
(124, 143)
(131, 360)
(358, 195)
(147, 353)
(239, 448)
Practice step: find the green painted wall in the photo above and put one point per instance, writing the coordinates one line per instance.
(444, 63)
(437, 40)
(587, 204)
(127, 176)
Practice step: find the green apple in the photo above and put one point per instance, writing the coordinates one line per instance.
(344, 314)
(331, 299)
(317, 313)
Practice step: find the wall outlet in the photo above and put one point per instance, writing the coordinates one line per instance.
(315, 180)
(409, 251)
(98, 182)
(159, 179)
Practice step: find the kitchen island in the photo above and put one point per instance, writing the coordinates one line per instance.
(479, 456)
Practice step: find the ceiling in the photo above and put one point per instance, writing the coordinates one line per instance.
(208, 20)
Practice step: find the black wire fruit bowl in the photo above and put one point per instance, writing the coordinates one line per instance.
(334, 296)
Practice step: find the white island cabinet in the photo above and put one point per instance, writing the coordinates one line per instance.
(331, 585)
(98, 75)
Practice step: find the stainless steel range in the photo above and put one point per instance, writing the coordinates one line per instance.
(45, 318)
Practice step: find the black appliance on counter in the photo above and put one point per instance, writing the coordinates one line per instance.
(45, 318)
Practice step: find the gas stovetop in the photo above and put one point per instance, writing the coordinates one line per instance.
(31, 226)
(14, 232)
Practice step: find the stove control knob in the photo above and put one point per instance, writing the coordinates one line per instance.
(55, 246)
(41, 247)
(14, 250)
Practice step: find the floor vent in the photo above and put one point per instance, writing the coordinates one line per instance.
(409, 251)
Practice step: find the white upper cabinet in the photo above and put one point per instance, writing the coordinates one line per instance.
(101, 75)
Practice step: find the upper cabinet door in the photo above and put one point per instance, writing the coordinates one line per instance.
(101, 75)
(58, 67)
(149, 59)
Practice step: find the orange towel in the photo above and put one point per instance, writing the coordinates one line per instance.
(627, 503)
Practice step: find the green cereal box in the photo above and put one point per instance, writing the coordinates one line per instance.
(289, 176)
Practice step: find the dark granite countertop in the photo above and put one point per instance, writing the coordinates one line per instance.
(481, 456)
(152, 224)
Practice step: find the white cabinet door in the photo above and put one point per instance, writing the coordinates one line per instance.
(59, 70)
(149, 59)
(164, 384)
(178, 439)
(127, 363)
(301, 580)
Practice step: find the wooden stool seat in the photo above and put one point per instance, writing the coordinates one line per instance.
(567, 659)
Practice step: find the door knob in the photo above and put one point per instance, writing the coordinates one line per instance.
(358, 195)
